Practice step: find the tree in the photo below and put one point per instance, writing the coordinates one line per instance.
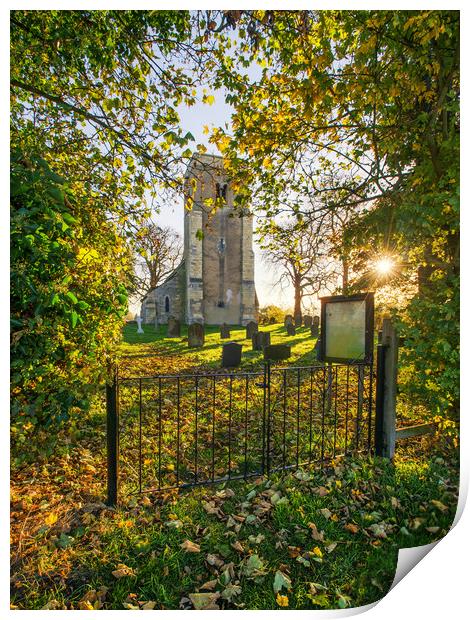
(95, 136)
(297, 252)
(376, 94)
(159, 250)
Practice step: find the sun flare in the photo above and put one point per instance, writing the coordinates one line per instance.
(384, 266)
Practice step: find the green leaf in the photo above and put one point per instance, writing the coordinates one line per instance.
(281, 580)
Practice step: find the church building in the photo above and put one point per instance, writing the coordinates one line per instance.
(214, 283)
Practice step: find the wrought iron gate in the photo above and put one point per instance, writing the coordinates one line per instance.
(173, 431)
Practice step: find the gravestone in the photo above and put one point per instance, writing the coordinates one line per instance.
(259, 340)
(139, 320)
(224, 331)
(308, 320)
(315, 327)
(290, 327)
(174, 328)
(277, 352)
(288, 319)
(298, 319)
(272, 320)
(231, 354)
(251, 328)
(196, 335)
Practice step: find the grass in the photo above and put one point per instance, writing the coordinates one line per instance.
(330, 536)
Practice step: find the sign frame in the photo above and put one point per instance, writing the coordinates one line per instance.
(369, 328)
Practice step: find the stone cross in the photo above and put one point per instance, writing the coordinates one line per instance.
(196, 335)
(231, 354)
(139, 320)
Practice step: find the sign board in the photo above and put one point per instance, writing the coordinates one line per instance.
(347, 328)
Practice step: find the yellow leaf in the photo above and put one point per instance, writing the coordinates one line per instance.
(51, 519)
(282, 600)
(318, 552)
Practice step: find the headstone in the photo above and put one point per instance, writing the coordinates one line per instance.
(259, 340)
(174, 328)
(298, 319)
(251, 328)
(231, 354)
(139, 320)
(196, 335)
(290, 329)
(277, 352)
(288, 319)
(224, 331)
(308, 320)
(272, 320)
(315, 327)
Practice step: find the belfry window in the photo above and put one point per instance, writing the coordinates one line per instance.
(221, 190)
(221, 245)
(167, 304)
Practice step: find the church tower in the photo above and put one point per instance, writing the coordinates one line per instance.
(218, 248)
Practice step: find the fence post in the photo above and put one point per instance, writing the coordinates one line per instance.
(112, 439)
(386, 392)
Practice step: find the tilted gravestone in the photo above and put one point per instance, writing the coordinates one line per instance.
(288, 319)
(290, 327)
(174, 328)
(272, 320)
(308, 320)
(224, 331)
(259, 340)
(196, 335)
(277, 352)
(298, 319)
(251, 328)
(231, 354)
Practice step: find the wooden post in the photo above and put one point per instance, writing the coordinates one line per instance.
(386, 395)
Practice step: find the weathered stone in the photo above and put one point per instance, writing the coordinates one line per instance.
(259, 340)
(314, 331)
(196, 335)
(231, 354)
(290, 328)
(224, 331)
(272, 321)
(308, 320)
(288, 319)
(251, 328)
(277, 352)
(139, 325)
(174, 328)
(316, 320)
(298, 319)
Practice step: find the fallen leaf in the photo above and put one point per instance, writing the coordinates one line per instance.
(326, 513)
(352, 527)
(439, 505)
(176, 524)
(123, 571)
(321, 491)
(238, 546)
(316, 535)
(281, 580)
(433, 530)
(214, 560)
(190, 547)
(203, 600)
(149, 605)
(209, 585)
(51, 519)
(253, 566)
(230, 591)
(318, 552)
(378, 530)
(331, 547)
(282, 600)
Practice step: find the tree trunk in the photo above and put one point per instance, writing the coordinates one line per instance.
(345, 275)
(297, 303)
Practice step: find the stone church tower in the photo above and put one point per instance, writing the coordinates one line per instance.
(214, 284)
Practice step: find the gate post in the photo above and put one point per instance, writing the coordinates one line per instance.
(112, 439)
(386, 392)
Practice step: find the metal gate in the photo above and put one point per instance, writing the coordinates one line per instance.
(182, 430)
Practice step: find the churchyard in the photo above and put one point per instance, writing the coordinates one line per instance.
(311, 537)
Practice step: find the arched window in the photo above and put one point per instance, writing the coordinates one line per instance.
(167, 304)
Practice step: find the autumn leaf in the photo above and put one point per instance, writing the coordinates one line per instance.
(51, 519)
(209, 585)
(282, 600)
(238, 546)
(190, 547)
(123, 571)
(352, 527)
(316, 535)
(203, 600)
(439, 505)
(281, 580)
